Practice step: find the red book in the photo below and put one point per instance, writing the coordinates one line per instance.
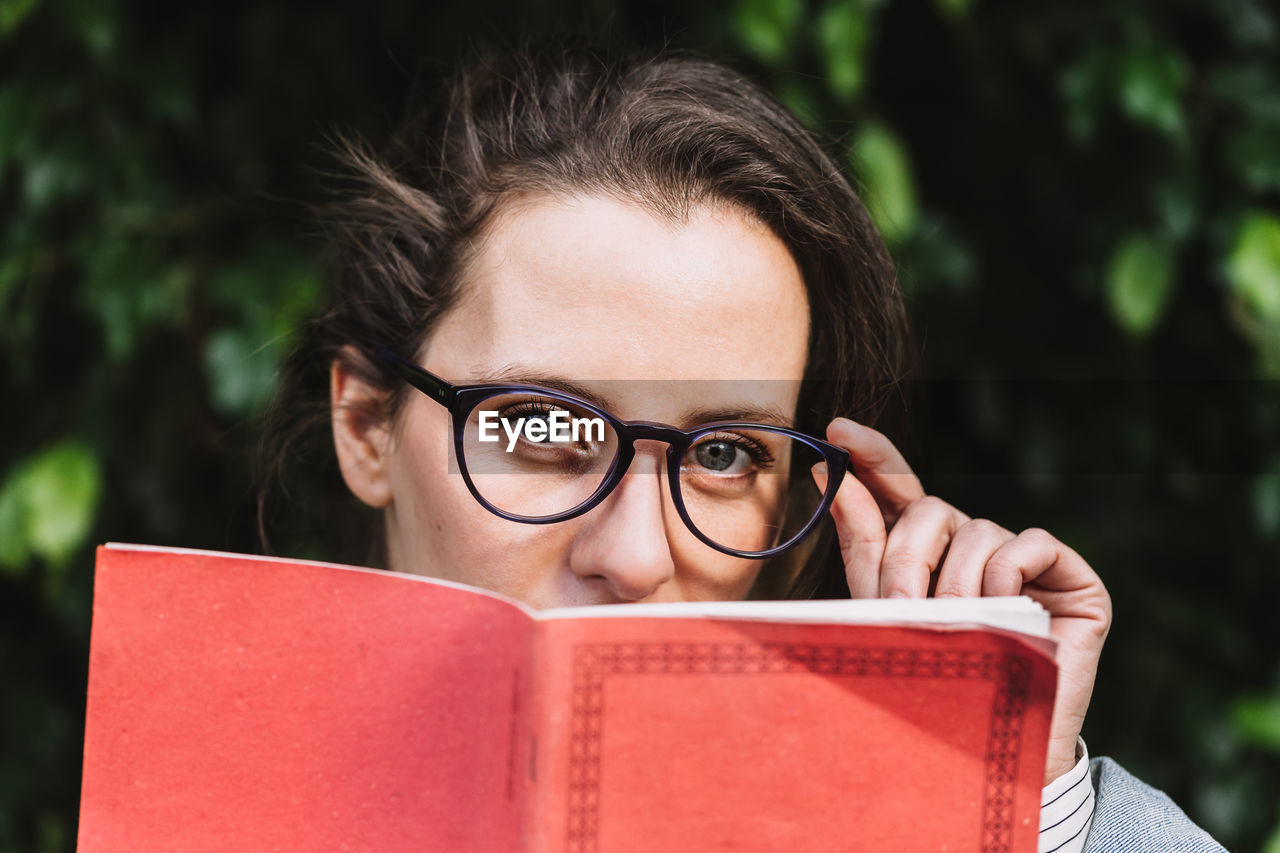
(252, 704)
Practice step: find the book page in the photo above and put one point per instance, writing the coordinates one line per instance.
(1018, 613)
(241, 703)
(673, 734)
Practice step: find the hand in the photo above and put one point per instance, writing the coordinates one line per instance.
(894, 537)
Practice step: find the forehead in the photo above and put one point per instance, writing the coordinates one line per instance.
(595, 288)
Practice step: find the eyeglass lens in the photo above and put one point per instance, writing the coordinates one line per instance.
(535, 457)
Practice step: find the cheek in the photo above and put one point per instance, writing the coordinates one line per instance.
(701, 572)
(436, 528)
(430, 502)
(719, 577)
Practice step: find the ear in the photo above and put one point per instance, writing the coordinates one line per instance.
(361, 432)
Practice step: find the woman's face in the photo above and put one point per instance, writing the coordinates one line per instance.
(633, 306)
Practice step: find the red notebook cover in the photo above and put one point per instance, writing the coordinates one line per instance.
(246, 703)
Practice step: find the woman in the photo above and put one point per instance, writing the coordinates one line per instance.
(658, 241)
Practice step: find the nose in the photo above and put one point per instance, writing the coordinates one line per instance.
(623, 541)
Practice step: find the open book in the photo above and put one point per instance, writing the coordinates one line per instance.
(249, 703)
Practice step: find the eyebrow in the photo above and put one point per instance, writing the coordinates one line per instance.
(521, 376)
(751, 413)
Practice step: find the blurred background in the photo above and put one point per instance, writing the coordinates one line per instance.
(1082, 199)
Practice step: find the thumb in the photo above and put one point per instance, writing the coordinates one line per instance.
(861, 532)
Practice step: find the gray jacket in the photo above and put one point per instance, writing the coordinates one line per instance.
(1129, 816)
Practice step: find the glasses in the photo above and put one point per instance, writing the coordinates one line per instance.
(539, 456)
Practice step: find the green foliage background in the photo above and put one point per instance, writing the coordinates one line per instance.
(1082, 198)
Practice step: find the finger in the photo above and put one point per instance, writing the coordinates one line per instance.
(860, 531)
(916, 545)
(879, 465)
(1035, 556)
(1040, 566)
(971, 548)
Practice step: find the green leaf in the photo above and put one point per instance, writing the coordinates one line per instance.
(49, 179)
(1151, 83)
(799, 98)
(63, 486)
(13, 13)
(1266, 503)
(767, 28)
(843, 33)
(1255, 157)
(128, 287)
(1253, 267)
(241, 370)
(47, 506)
(1249, 23)
(1257, 721)
(939, 258)
(14, 551)
(94, 22)
(888, 187)
(1086, 88)
(1250, 87)
(18, 124)
(1139, 283)
(1272, 844)
(1178, 205)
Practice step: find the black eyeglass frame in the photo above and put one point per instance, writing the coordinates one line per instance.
(461, 401)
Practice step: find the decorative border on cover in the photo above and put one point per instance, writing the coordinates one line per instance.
(594, 662)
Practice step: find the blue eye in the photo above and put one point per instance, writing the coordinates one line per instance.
(730, 454)
(716, 455)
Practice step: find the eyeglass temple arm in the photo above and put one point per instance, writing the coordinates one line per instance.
(428, 383)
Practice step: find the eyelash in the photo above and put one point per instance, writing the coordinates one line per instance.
(535, 407)
(758, 452)
(531, 407)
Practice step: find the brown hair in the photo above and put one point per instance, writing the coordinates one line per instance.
(666, 131)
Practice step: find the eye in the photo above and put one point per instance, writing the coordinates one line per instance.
(528, 410)
(717, 455)
(588, 440)
(532, 409)
(730, 455)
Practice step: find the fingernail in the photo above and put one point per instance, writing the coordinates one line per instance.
(819, 472)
